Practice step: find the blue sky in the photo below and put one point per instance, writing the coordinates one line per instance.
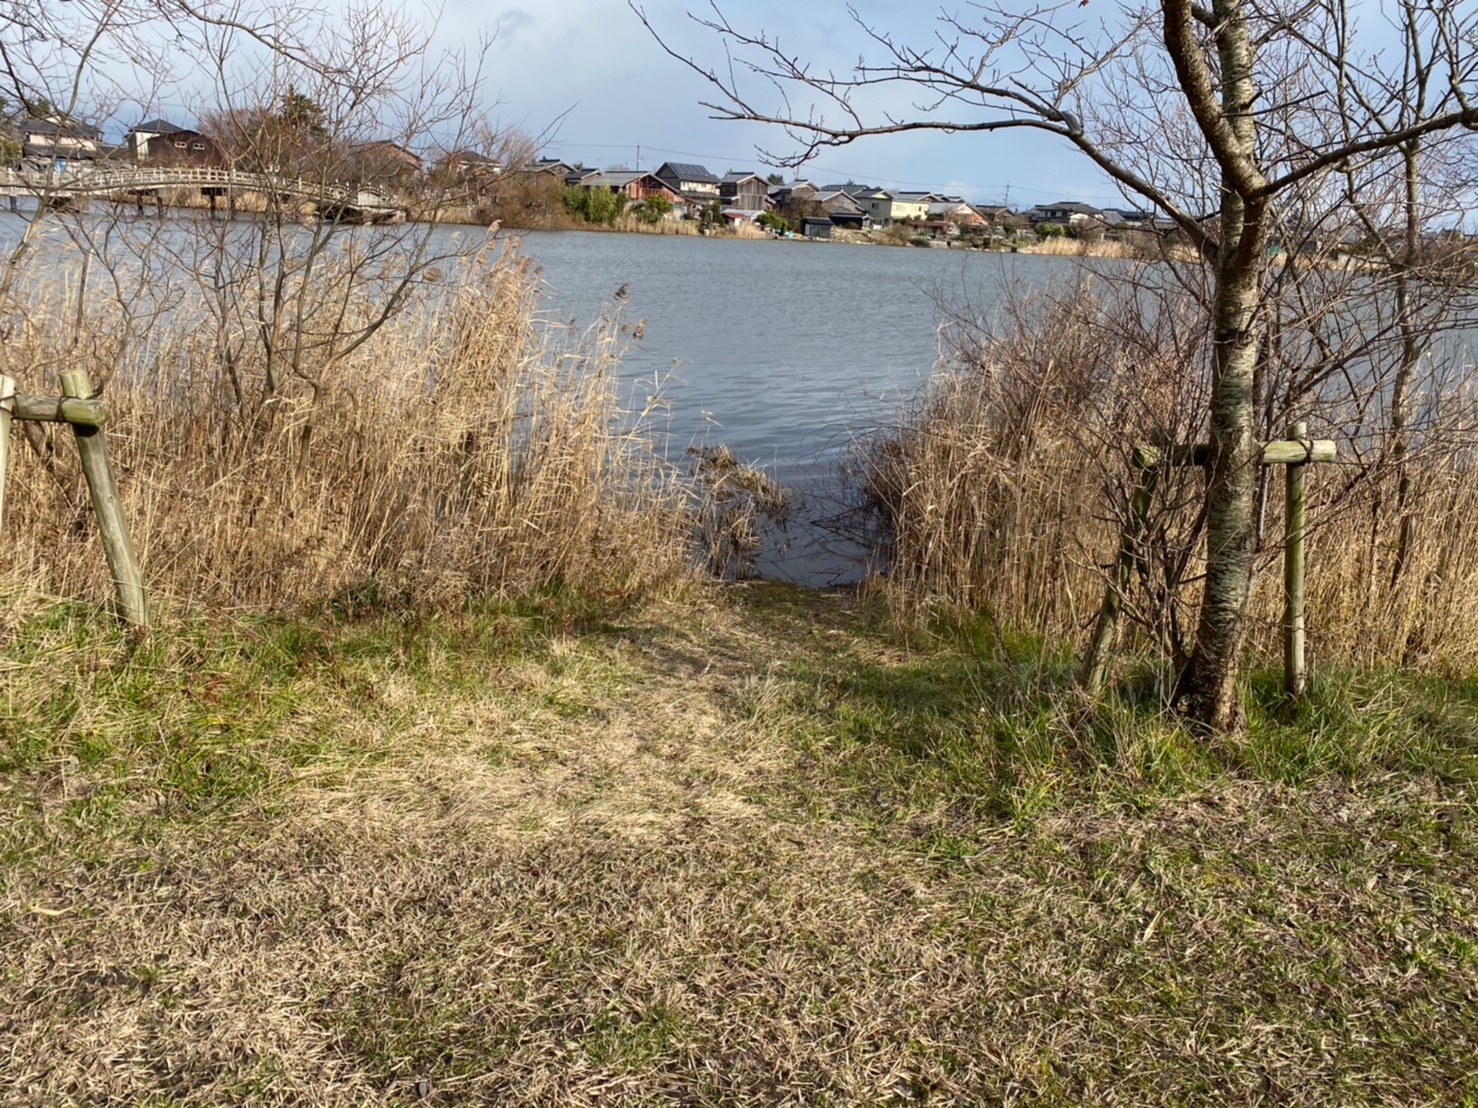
(591, 72)
(589, 78)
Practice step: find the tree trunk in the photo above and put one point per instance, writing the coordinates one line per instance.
(1411, 354)
(1231, 469)
(1231, 475)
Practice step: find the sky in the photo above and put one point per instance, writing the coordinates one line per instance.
(591, 81)
(587, 73)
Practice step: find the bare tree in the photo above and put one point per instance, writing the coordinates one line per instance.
(306, 105)
(1229, 117)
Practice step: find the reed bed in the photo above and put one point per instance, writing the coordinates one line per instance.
(1004, 489)
(1082, 248)
(460, 449)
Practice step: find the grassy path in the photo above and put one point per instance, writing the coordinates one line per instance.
(752, 850)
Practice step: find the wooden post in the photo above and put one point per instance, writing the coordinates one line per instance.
(1100, 650)
(7, 406)
(108, 506)
(1296, 453)
(1294, 673)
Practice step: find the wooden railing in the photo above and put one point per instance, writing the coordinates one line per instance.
(100, 182)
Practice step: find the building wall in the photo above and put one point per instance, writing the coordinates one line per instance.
(751, 196)
(880, 209)
(909, 209)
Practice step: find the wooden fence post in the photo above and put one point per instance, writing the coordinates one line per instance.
(7, 406)
(1296, 453)
(1294, 672)
(108, 506)
(1100, 650)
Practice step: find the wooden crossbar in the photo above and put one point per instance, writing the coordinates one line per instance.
(61, 409)
(86, 416)
(1278, 452)
(1295, 452)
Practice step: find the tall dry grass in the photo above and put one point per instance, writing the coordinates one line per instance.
(1004, 489)
(1081, 248)
(462, 449)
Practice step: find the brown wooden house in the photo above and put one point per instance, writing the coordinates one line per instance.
(636, 184)
(744, 191)
(159, 142)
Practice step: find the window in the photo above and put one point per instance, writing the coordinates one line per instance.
(179, 144)
(197, 146)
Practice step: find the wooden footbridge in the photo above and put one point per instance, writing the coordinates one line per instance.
(355, 203)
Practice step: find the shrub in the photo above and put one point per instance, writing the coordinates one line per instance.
(1004, 486)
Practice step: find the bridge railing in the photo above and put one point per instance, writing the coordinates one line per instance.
(133, 178)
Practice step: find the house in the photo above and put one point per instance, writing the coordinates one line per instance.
(885, 208)
(467, 165)
(186, 146)
(1065, 213)
(555, 167)
(744, 191)
(841, 209)
(993, 213)
(381, 161)
(638, 185)
(793, 193)
(55, 142)
(816, 227)
(955, 210)
(876, 204)
(158, 140)
(579, 175)
(742, 215)
(913, 205)
(693, 181)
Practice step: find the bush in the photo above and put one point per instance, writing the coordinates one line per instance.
(653, 209)
(1003, 488)
(594, 205)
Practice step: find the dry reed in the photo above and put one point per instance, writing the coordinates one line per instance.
(462, 449)
(1005, 487)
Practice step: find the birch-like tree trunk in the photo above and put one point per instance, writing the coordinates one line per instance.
(1223, 109)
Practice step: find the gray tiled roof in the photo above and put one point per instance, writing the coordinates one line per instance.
(688, 171)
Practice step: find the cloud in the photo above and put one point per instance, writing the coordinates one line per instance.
(509, 23)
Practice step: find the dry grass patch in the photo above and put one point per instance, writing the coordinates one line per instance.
(419, 431)
(545, 855)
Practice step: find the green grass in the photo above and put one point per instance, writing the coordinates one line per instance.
(750, 849)
(963, 717)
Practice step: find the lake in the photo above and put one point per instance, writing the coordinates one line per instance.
(782, 350)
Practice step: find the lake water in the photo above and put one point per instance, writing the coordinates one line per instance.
(781, 350)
